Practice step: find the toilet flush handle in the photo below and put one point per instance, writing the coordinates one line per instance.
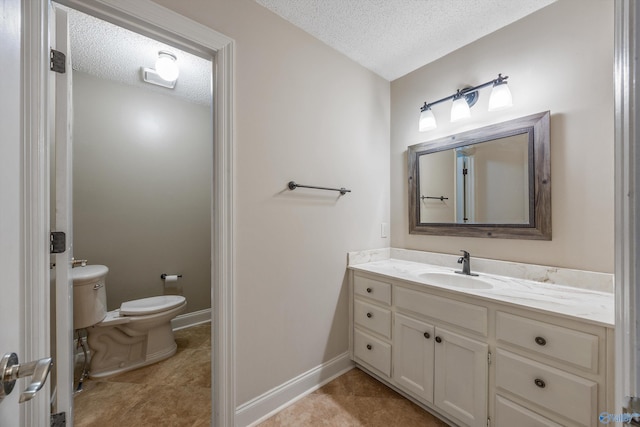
(78, 262)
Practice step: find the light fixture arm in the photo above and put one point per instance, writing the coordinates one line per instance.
(466, 92)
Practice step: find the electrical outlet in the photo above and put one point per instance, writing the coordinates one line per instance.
(384, 230)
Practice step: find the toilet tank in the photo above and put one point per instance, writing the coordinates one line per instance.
(89, 295)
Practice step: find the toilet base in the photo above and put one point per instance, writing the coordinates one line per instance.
(151, 359)
(139, 341)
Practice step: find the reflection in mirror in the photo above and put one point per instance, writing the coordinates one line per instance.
(489, 182)
(484, 183)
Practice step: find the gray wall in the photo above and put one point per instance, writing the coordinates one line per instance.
(141, 188)
(559, 59)
(307, 113)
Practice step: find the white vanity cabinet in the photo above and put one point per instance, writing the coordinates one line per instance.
(442, 368)
(551, 369)
(478, 362)
(371, 310)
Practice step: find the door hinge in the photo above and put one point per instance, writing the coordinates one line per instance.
(57, 242)
(57, 61)
(488, 422)
(489, 358)
(59, 419)
(465, 171)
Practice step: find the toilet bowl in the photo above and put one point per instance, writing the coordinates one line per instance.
(137, 334)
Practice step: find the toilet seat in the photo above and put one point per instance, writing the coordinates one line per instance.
(151, 305)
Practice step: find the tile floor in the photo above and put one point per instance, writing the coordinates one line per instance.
(177, 393)
(353, 399)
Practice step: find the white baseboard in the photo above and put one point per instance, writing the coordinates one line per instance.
(191, 319)
(268, 404)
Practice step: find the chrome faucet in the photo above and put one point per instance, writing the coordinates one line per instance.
(465, 260)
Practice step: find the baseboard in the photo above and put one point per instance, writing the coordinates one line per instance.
(191, 319)
(266, 405)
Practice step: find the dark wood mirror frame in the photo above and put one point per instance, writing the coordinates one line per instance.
(539, 227)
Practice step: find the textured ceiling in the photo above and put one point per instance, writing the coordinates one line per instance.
(395, 37)
(113, 53)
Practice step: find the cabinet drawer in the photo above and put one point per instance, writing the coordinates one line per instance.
(374, 318)
(509, 414)
(374, 289)
(372, 351)
(468, 316)
(567, 345)
(566, 394)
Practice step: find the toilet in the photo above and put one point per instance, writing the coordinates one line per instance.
(137, 334)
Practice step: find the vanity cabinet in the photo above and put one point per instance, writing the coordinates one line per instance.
(441, 367)
(548, 366)
(476, 362)
(372, 324)
(461, 377)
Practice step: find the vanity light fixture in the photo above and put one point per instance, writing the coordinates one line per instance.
(464, 99)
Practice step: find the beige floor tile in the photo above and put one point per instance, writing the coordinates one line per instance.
(177, 392)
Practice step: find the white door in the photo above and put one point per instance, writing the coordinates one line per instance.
(10, 160)
(24, 297)
(413, 356)
(461, 377)
(61, 216)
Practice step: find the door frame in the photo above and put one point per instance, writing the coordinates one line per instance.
(153, 20)
(627, 207)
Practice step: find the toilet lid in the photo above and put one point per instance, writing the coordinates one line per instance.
(82, 275)
(150, 305)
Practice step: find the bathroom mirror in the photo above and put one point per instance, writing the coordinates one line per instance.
(489, 182)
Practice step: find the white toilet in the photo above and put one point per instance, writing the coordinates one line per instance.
(137, 334)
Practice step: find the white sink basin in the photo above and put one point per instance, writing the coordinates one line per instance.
(456, 280)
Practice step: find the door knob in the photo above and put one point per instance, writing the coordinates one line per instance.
(11, 370)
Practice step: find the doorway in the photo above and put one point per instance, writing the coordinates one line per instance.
(146, 17)
(141, 178)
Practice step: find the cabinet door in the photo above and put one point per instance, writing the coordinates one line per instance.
(413, 356)
(461, 377)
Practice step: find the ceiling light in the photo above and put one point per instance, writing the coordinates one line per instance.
(465, 98)
(166, 66)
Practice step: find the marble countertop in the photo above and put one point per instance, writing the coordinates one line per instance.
(593, 306)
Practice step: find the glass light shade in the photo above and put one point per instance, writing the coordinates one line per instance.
(500, 97)
(166, 66)
(427, 121)
(460, 109)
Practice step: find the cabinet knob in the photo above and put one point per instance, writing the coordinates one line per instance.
(369, 315)
(369, 347)
(369, 290)
(540, 383)
(426, 335)
(541, 341)
(438, 339)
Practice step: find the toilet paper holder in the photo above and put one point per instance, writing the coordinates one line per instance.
(164, 276)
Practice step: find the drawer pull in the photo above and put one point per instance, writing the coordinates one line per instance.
(540, 383)
(541, 341)
(369, 290)
(438, 339)
(369, 347)
(426, 335)
(369, 315)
